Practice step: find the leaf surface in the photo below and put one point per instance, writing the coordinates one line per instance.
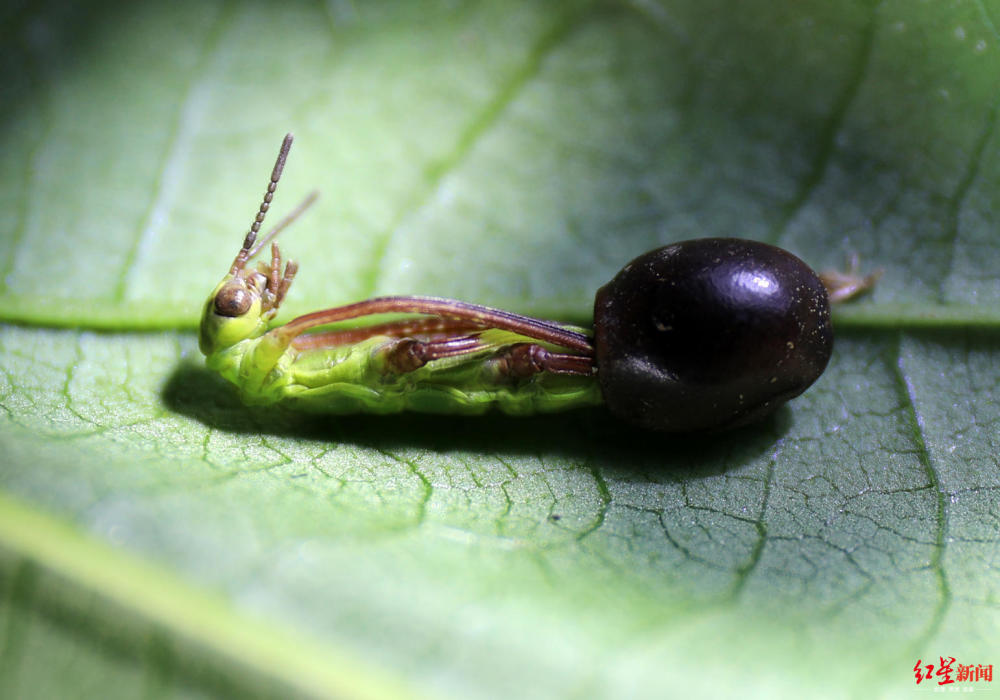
(158, 537)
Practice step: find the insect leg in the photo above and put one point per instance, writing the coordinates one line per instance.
(430, 328)
(482, 316)
(408, 354)
(844, 286)
(274, 278)
(291, 267)
(524, 360)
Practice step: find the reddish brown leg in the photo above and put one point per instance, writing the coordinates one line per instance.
(421, 328)
(520, 361)
(291, 267)
(483, 316)
(448, 338)
(527, 359)
(277, 283)
(274, 273)
(408, 354)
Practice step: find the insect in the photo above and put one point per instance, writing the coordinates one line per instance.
(704, 334)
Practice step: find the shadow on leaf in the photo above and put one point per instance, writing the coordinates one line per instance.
(589, 435)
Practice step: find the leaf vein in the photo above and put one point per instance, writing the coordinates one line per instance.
(477, 127)
(957, 198)
(744, 572)
(827, 137)
(908, 394)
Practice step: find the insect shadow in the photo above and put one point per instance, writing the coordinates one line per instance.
(592, 435)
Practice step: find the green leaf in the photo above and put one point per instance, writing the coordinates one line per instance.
(158, 538)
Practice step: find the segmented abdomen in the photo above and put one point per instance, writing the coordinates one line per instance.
(358, 379)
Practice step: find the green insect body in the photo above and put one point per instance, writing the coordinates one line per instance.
(455, 358)
(359, 378)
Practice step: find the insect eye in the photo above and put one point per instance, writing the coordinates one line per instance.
(232, 301)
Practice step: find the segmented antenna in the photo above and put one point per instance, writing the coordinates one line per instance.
(279, 165)
(283, 224)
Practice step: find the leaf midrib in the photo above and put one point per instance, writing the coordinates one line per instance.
(144, 316)
(116, 580)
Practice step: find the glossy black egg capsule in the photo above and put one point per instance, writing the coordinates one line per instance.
(710, 334)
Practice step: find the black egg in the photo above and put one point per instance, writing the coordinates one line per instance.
(710, 334)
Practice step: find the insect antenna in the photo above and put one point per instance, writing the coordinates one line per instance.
(283, 224)
(279, 165)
